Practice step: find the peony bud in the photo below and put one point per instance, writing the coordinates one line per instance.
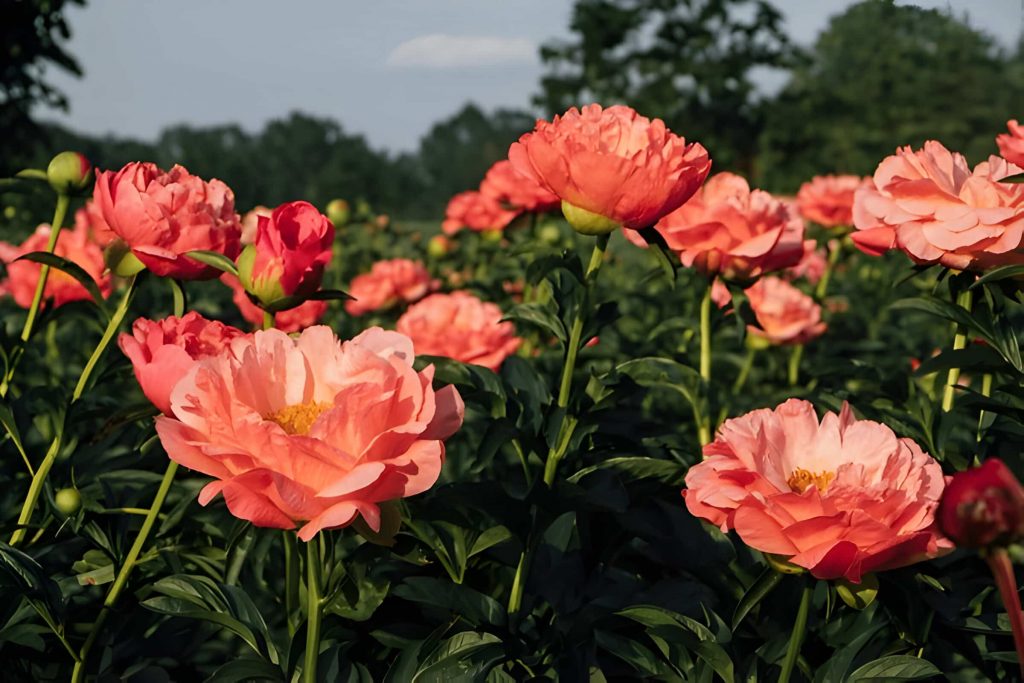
(983, 506)
(339, 212)
(69, 501)
(438, 246)
(69, 172)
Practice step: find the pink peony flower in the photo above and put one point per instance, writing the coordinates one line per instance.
(785, 314)
(476, 211)
(930, 205)
(163, 351)
(90, 217)
(163, 215)
(516, 190)
(1011, 145)
(251, 220)
(461, 327)
(720, 294)
(840, 498)
(388, 283)
(812, 264)
(828, 199)
(311, 432)
(73, 244)
(306, 314)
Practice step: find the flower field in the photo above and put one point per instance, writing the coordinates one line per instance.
(615, 416)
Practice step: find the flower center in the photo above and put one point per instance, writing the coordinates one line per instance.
(801, 479)
(297, 419)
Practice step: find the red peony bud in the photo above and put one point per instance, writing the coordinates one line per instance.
(983, 506)
(69, 172)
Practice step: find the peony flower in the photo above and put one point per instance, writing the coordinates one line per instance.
(930, 205)
(812, 264)
(785, 314)
(720, 294)
(1011, 145)
(293, 246)
(516, 190)
(251, 220)
(840, 498)
(311, 432)
(73, 244)
(388, 283)
(163, 215)
(611, 167)
(90, 218)
(730, 229)
(983, 506)
(306, 314)
(163, 351)
(461, 327)
(476, 211)
(828, 199)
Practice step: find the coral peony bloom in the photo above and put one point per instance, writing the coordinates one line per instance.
(812, 264)
(730, 229)
(828, 199)
(90, 217)
(311, 431)
(388, 283)
(73, 244)
(293, 246)
(163, 351)
(1011, 145)
(306, 314)
(983, 506)
(462, 327)
(251, 220)
(621, 168)
(841, 498)
(476, 211)
(516, 190)
(785, 314)
(720, 294)
(930, 205)
(163, 215)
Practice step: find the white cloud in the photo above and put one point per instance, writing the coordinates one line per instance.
(442, 51)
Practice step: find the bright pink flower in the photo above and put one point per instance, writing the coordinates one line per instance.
(388, 283)
(163, 215)
(612, 162)
(930, 205)
(91, 218)
(306, 314)
(841, 498)
(812, 264)
(476, 211)
(73, 244)
(461, 327)
(785, 314)
(516, 190)
(983, 506)
(251, 221)
(828, 199)
(311, 432)
(1011, 145)
(163, 351)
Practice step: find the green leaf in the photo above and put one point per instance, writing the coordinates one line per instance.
(665, 622)
(466, 656)
(1000, 273)
(244, 669)
(288, 302)
(73, 269)
(758, 590)
(633, 468)
(539, 315)
(470, 604)
(215, 259)
(894, 668)
(178, 607)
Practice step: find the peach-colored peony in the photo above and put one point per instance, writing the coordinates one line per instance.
(311, 432)
(812, 264)
(476, 211)
(1011, 145)
(516, 190)
(785, 314)
(828, 199)
(91, 217)
(930, 205)
(730, 229)
(73, 244)
(387, 284)
(462, 327)
(306, 314)
(162, 215)
(251, 220)
(720, 294)
(840, 498)
(163, 351)
(612, 162)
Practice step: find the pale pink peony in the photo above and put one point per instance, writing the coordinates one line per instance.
(311, 432)
(516, 190)
(75, 245)
(306, 314)
(389, 283)
(475, 211)
(841, 498)
(461, 327)
(1011, 145)
(828, 199)
(930, 205)
(785, 314)
(163, 351)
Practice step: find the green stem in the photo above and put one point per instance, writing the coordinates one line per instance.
(108, 334)
(126, 569)
(268, 320)
(59, 213)
(986, 391)
(313, 611)
(748, 364)
(238, 557)
(704, 425)
(515, 597)
(291, 579)
(794, 364)
(965, 300)
(833, 258)
(796, 638)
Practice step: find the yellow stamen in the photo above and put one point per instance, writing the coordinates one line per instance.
(299, 418)
(801, 479)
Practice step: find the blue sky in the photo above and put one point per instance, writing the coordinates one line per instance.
(385, 68)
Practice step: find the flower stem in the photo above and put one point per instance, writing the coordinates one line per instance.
(268, 320)
(59, 213)
(794, 364)
(1002, 570)
(126, 569)
(291, 579)
(108, 334)
(704, 426)
(748, 364)
(796, 638)
(313, 610)
(826, 276)
(986, 391)
(965, 301)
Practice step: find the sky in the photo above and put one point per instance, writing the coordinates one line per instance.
(387, 69)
